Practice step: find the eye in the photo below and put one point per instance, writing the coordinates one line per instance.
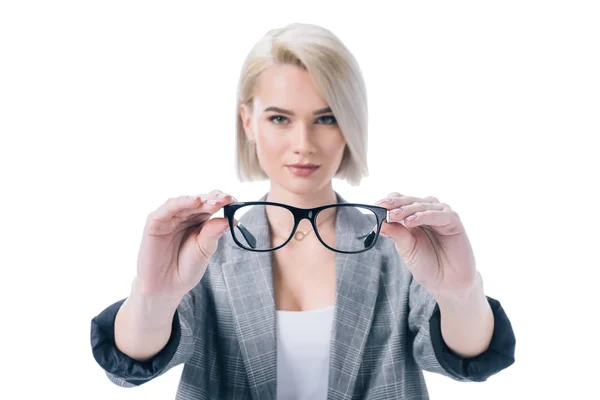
(329, 119)
(277, 119)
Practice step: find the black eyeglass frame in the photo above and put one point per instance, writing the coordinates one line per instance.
(381, 214)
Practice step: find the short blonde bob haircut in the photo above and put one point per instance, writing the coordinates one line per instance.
(337, 77)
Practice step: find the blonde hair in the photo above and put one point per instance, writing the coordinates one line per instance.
(337, 77)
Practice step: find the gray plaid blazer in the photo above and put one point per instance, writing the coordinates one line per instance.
(386, 329)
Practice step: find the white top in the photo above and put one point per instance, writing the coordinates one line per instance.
(303, 339)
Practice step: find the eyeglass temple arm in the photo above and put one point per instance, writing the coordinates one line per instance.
(368, 238)
(250, 239)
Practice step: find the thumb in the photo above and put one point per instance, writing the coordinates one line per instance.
(401, 235)
(211, 232)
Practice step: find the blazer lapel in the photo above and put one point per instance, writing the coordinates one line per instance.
(249, 280)
(357, 283)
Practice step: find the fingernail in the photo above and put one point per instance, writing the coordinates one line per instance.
(211, 202)
(397, 211)
(222, 195)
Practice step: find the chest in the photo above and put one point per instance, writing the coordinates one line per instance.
(244, 346)
(303, 276)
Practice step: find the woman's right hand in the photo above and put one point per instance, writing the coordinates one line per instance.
(178, 240)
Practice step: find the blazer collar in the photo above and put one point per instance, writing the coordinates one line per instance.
(249, 281)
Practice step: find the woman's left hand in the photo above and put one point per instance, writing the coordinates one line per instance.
(433, 243)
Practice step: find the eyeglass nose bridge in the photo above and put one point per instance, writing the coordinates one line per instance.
(301, 213)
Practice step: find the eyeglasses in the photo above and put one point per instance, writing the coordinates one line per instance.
(268, 226)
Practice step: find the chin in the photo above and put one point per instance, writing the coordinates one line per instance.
(300, 186)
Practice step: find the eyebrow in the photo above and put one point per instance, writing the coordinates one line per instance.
(325, 110)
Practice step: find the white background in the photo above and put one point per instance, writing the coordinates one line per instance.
(109, 108)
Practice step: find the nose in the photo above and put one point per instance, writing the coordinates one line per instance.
(303, 140)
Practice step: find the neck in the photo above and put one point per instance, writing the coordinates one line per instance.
(319, 197)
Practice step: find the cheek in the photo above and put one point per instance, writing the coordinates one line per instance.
(270, 143)
(269, 146)
(265, 132)
(269, 149)
(335, 144)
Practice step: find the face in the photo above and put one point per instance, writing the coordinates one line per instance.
(297, 139)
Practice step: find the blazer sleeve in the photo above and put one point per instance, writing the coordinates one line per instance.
(128, 372)
(432, 354)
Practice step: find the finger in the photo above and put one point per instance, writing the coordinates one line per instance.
(431, 199)
(173, 205)
(428, 199)
(402, 236)
(218, 194)
(183, 206)
(393, 202)
(431, 218)
(389, 202)
(208, 238)
(210, 205)
(401, 212)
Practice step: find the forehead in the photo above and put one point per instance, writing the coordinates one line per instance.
(289, 87)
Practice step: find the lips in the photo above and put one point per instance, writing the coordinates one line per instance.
(307, 165)
(302, 170)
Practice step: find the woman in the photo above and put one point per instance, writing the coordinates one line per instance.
(266, 305)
